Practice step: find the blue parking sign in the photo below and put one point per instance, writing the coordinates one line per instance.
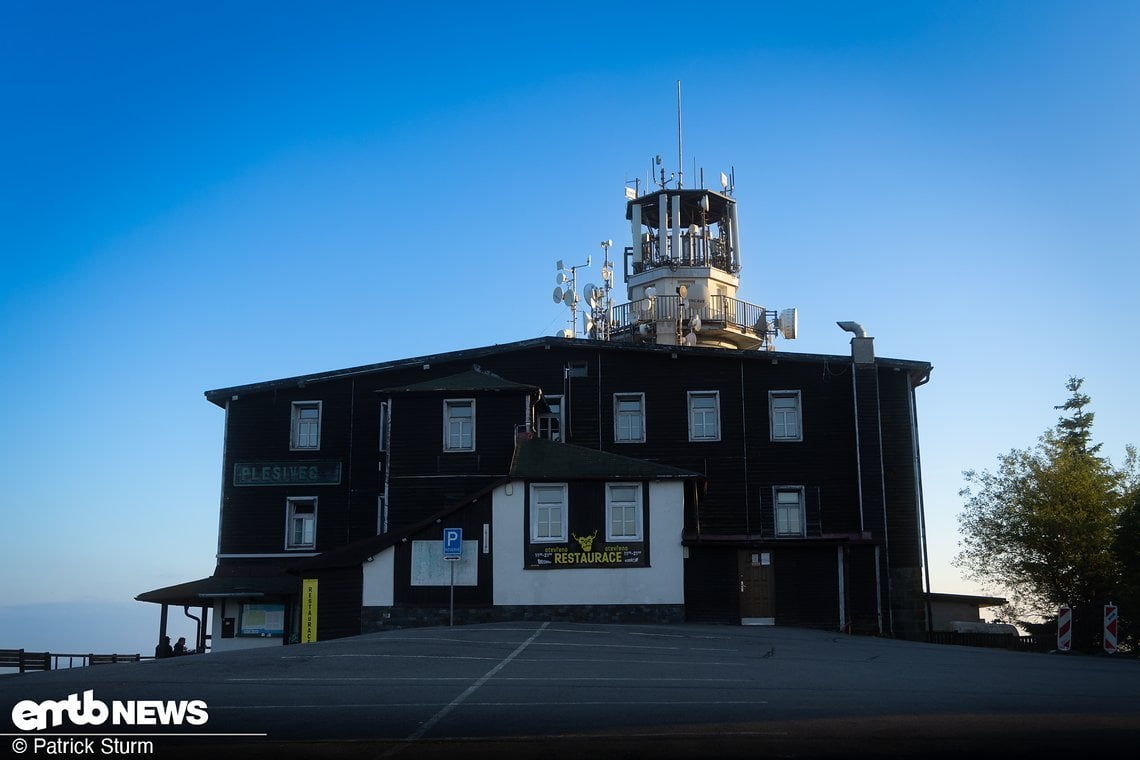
(452, 542)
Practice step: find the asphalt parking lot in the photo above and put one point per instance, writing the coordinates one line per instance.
(560, 690)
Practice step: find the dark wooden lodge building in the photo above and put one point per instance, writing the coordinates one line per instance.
(670, 466)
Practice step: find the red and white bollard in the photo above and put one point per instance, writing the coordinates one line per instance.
(1065, 629)
(1110, 619)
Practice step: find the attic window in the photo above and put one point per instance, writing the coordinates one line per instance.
(577, 369)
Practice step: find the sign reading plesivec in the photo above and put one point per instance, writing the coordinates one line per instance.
(319, 473)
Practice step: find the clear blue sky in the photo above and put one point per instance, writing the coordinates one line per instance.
(198, 195)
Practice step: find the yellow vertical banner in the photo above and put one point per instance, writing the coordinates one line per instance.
(308, 610)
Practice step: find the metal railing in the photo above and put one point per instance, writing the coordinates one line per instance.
(720, 311)
(24, 661)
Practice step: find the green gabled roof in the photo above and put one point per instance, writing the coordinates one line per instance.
(542, 459)
(472, 380)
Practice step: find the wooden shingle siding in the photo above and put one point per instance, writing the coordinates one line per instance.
(854, 463)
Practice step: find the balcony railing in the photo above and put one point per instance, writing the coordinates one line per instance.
(720, 311)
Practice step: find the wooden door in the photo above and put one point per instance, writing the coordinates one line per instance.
(757, 588)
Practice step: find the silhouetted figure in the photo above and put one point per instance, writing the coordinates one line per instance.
(163, 649)
(180, 646)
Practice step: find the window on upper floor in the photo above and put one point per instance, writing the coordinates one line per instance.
(550, 421)
(785, 415)
(301, 522)
(789, 509)
(623, 512)
(305, 427)
(629, 417)
(704, 415)
(459, 424)
(548, 512)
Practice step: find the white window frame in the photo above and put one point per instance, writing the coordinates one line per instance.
(636, 506)
(545, 418)
(634, 437)
(385, 425)
(300, 437)
(291, 512)
(704, 435)
(537, 508)
(778, 427)
(455, 403)
(783, 527)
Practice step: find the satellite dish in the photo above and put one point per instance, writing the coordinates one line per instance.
(570, 297)
(761, 325)
(694, 230)
(567, 333)
(698, 295)
(789, 323)
(558, 295)
(695, 324)
(590, 293)
(690, 340)
(651, 292)
(683, 292)
(644, 330)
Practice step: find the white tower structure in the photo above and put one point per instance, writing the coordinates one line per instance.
(682, 274)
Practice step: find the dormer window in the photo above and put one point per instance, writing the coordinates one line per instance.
(459, 424)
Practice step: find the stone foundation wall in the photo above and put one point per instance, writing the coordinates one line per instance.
(375, 619)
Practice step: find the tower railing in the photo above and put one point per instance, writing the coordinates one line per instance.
(720, 311)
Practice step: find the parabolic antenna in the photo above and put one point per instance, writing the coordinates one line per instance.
(558, 295)
(695, 324)
(698, 295)
(651, 292)
(789, 323)
(683, 291)
(590, 293)
(761, 326)
(569, 297)
(690, 340)
(560, 278)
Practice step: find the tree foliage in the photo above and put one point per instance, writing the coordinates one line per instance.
(1046, 525)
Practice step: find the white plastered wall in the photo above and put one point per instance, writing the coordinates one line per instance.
(660, 583)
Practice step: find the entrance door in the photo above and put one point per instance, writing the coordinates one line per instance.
(757, 588)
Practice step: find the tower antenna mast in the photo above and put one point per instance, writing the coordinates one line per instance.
(680, 158)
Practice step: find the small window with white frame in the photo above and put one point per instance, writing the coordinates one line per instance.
(624, 512)
(789, 509)
(629, 418)
(305, 426)
(704, 415)
(459, 424)
(550, 420)
(301, 522)
(548, 512)
(785, 415)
